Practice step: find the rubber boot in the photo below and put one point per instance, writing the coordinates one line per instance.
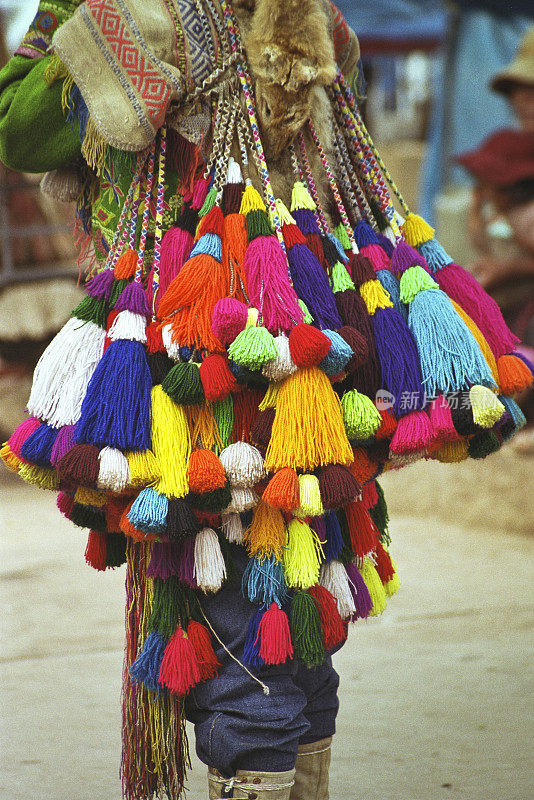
(251, 785)
(313, 765)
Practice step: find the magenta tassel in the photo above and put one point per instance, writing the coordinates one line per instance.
(269, 287)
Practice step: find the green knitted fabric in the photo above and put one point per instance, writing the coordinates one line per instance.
(34, 134)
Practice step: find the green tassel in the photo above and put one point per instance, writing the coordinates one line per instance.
(342, 235)
(308, 319)
(253, 347)
(360, 415)
(415, 280)
(169, 607)
(183, 385)
(215, 501)
(115, 550)
(232, 575)
(223, 412)
(306, 630)
(483, 444)
(209, 202)
(92, 310)
(347, 553)
(88, 517)
(341, 279)
(258, 225)
(379, 515)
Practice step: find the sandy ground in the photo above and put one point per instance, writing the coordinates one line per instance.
(436, 695)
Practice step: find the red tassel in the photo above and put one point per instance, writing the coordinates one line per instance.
(334, 631)
(95, 552)
(179, 670)
(205, 473)
(217, 380)
(245, 413)
(80, 466)
(275, 636)
(313, 240)
(200, 638)
(364, 535)
(207, 519)
(65, 503)
(114, 509)
(213, 222)
(359, 346)
(292, 235)
(262, 429)
(369, 495)
(387, 426)
(337, 486)
(361, 270)
(154, 340)
(384, 567)
(307, 345)
(363, 467)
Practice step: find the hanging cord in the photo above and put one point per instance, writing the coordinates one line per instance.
(158, 232)
(333, 186)
(310, 180)
(121, 232)
(229, 124)
(349, 179)
(146, 211)
(369, 144)
(295, 163)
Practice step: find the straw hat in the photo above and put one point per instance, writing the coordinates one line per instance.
(521, 70)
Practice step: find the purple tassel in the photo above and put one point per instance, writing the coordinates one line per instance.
(386, 244)
(399, 360)
(405, 257)
(311, 285)
(186, 563)
(63, 443)
(101, 285)
(524, 359)
(359, 591)
(164, 561)
(116, 410)
(133, 298)
(306, 221)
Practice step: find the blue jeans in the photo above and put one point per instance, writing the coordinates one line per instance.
(237, 726)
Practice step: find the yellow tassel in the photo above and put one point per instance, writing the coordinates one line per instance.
(375, 296)
(284, 216)
(308, 429)
(301, 198)
(202, 426)
(310, 497)
(374, 584)
(66, 90)
(302, 556)
(270, 398)
(94, 148)
(171, 444)
(266, 534)
(40, 476)
(251, 201)
(144, 469)
(416, 230)
(90, 497)
(393, 585)
(9, 458)
(481, 341)
(452, 452)
(55, 71)
(486, 406)
(252, 317)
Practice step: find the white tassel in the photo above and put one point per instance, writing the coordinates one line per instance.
(114, 472)
(333, 577)
(283, 365)
(233, 174)
(243, 498)
(128, 325)
(243, 464)
(210, 569)
(63, 372)
(172, 348)
(232, 528)
(310, 497)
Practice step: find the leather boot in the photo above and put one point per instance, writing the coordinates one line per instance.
(249, 785)
(313, 765)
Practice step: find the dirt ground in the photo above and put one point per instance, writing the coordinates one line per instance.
(436, 697)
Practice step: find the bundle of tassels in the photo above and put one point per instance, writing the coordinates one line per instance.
(246, 388)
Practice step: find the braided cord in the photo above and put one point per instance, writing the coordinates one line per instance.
(146, 210)
(158, 232)
(121, 231)
(349, 179)
(312, 186)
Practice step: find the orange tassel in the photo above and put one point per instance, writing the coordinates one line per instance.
(205, 473)
(363, 468)
(128, 529)
(514, 375)
(282, 491)
(234, 247)
(126, 265)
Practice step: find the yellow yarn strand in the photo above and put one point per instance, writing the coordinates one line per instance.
(303, 555)
(375, 587)
(486, 406)
(375, 296)
(144, 469)
(392, 586)
(308, 429)
(270, 397)
(55, 71)
(481, 341)
(9, 458)
(452, 452)
(266, 534)
(310, 497)
(251, 201)
(171, 444)
(40, 476)
(202, 426)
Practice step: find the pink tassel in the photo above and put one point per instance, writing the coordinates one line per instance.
(413, 433)
(20, 434)
(443, 429)
(465, 290)
(229, 319)
(369, 495)
(376, 256)
(268, 285)
(200, 190)
(275, 636)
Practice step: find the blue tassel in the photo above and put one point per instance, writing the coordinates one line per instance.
(313, 287)
(116, 410)
(364, 234)
(338, 356)
(209, 244)
(339, 247)
(37, 448)
(145, 668)
(334, 537)
(399, 360)
(264, 582)
(149, 511)
(450, 357)
(251, 651)
(434, 254)
(391, 284)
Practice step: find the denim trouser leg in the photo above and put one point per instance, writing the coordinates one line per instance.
(237, 726)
